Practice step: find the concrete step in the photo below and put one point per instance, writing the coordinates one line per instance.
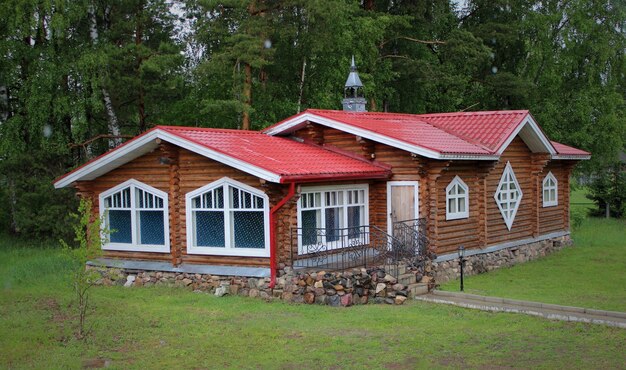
(395, 270)
(407, 279)
(416, 289)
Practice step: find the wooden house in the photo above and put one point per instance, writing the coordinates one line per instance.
(246, 203)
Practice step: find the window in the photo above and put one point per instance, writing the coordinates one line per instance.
(550, 192)
(229, 218)
(135, 215)
(457, 199)
(332, 217)
(508, 195)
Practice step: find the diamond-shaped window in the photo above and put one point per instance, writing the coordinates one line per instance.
(508, 196)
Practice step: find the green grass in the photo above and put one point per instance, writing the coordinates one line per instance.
(160, 328)
(590, 274)
(579, 201)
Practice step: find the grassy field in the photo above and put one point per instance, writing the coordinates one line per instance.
(590, 274)
(579, 200)
(161, 328)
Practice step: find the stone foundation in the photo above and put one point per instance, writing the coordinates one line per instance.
(357, 286)
(479, 263)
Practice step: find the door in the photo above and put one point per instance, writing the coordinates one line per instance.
(402, 202)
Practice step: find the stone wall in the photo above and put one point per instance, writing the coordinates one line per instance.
(506, 257)
(357, 286)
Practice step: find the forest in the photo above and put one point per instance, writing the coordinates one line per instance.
(79, 77)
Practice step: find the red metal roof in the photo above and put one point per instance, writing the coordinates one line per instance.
(565, 150)
(288, 159)
(463, 134)
(409, 128)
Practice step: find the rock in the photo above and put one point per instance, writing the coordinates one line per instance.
(426, 279)
(379, 300)
(297, 299)
(380, 287)
(321, 299)
(358, 291)
(400, 299)
(252, 283)
(390, 279)
(130, 279)
(398, 287)
(281, 281)
(331, 292)
(338, 287)
(334, 301)
(403, 293)
(265, 295)
(346, 300)
(187, 281)
(221, 291)
(277, 293)
(254, 293)
(418, 277)
(287, 296)
(318, 284)
(319, 291)
(341, 293)
(328, 285)
(310, 281)
(234, 289)
(389, 301)
(380, 274)
(301, 283)
(309, 298)
(364, 299)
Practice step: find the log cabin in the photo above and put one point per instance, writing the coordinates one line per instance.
(319, 185)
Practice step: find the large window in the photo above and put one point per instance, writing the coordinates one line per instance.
(332, 217)
(457, 199)
(508, 195)
(227, 217)
(550, 191)
(135, 215)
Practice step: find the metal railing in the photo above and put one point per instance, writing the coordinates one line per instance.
(364, 246)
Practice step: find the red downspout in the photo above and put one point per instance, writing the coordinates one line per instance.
(290, 194)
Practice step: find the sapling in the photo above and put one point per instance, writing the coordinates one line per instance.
(89, 237)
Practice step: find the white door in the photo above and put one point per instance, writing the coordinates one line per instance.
(402, 202)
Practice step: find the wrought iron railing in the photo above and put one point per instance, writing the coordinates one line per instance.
(364, 246)
(411, 234)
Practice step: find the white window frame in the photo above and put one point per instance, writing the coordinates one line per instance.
(323, 190)
(457, 198)
(229, 248)
(546, 188)
(134, 246)
(508, 209)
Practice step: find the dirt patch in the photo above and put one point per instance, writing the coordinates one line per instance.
(96, 363)
(410, 362)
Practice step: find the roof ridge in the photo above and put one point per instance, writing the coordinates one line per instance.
(212, 129)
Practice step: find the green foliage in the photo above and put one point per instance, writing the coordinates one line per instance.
(608, 188)
(89, 236)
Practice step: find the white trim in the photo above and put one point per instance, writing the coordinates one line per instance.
(134, 246)
(326, 188)
(383, 139)
(144, 144)
(536, 130)
(582, 157)
(555, 201)
(228, 249)
(457, 182)
(508, 217)
(390, 184)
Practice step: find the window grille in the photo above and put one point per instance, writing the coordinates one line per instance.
(550, 191)
(226, 216)
(508, 195)
(135, 215)
(457, 199)
(332, 217)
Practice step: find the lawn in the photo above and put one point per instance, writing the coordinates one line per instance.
(590, 274)
(175, 328)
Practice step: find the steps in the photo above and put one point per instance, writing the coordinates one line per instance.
(407, 279)
(417, 289)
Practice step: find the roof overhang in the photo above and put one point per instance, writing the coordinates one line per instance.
(572, 157)
(529, 131)
(146, 143)
(299, 121)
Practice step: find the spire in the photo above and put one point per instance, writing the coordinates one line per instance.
(353, 91)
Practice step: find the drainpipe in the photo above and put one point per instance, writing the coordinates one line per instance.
(290, 194)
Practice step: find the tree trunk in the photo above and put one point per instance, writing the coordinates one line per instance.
(301, 87)
(247, 97)
(113, 123)
(607, 210)
(141, 107)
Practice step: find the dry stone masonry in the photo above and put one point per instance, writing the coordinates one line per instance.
(346, 288)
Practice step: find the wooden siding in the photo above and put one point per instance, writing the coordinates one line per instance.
(555, 218)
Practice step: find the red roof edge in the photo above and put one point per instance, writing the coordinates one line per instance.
(383, 174)
(567, 150)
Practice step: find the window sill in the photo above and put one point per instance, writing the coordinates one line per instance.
(235, 252)
(136, 248)
(456, 216)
